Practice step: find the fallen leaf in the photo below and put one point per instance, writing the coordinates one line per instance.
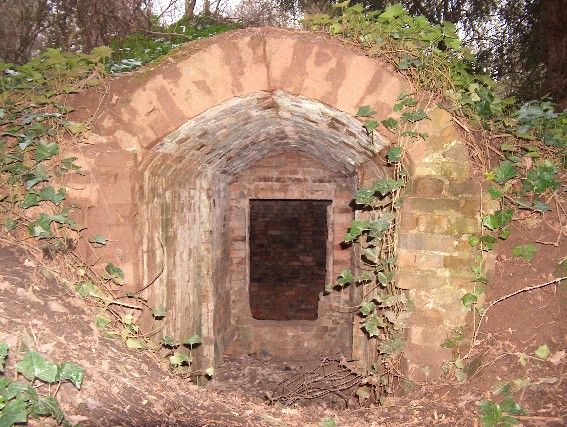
(557, 357)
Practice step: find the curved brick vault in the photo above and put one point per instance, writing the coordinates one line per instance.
(178, 150)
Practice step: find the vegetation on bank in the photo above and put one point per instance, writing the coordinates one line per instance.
(523, 149)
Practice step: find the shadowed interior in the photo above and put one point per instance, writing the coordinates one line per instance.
(288, 257)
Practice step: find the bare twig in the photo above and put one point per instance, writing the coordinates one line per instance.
(555, 281)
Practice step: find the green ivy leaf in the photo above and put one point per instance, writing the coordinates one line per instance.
(495, 193)
(414, 116)
(394, 154)
(504, 172)
(468, 300)
(370, 125)
(392, 346)
(99, 240)
(168, 341)
(114, 273)
(72, 372)
(179, 359)
(45, 150)
(3, 355)
(14, 412)
(192, 341)
(372, 325)
(86, 289)
(542, 352)
(47, 405)
(526, 251)
(135, 344)
(498, 219)
(75, 127)
(102, 322)
(34, 365)
(365, 111)
(491, 413)
(387, 185)
(510, 406)
(367, 307)
(328, 422)
(541, 206)
(390, 123)
(41, 227)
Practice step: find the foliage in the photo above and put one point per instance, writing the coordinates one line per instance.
(385, 308)
(500, 414)
(20, 401)
(139, 48)
(34, 131)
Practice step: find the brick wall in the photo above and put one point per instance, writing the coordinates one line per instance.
(288, 257)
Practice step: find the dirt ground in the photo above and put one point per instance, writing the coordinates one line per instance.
(125, 387)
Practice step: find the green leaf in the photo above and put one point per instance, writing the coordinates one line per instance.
(41, 227)
(523, 359)
(192, 341)
(392, 346)
(168, 341)
(49, 194)
(75, 127)
(414, 116)
(86, 289)
(498, 219)
(541, 206)
(387, 185)
(100, 53)
(510, 406)
(542, 352)
(328, 422)
(14, 412)
(495, 193)
(505, 233)
(34, 365)
(468, 300)
(504, 172)
(474, 240)
(370, 125)
(10, 224)
(100, 240)
(367, 307)
(394, 154)
(365, 111)
(491, 413)
(3, 355)
(127, 319)
(527, 251)
(47, 405)
(102, 322)
(179, 359)
(135, 343)
(372, 325)
(45, 151)
(72, 372)
(390, 123)
(115, 273)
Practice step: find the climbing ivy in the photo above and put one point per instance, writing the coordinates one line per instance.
(521, 148)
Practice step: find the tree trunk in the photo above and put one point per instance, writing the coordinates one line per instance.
(554, 23)
(190, 8)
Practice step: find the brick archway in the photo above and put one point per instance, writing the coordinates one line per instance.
(173, 140)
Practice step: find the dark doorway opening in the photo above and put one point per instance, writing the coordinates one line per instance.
(288, 258)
